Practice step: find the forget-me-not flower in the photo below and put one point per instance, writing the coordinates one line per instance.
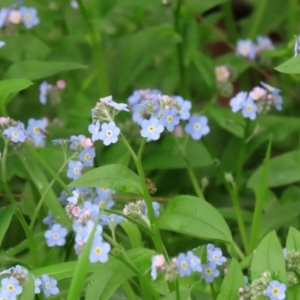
(2, 43)
(49, 285)
(209, 272)
(197, 127)
(276, 290)
(56, 235)
(94, 130)
(15, 134)
(170, 119)
(11, 286)
(151, 129)
(238, 101)
(29, 16)
(109, 133)
(249, 109)
(87, 156)
(246, 48)
(183, 266)
(43, 92)
(74, 169)
(215, 255)
(194, 262)
(99, 251)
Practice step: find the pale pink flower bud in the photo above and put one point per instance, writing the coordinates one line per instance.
(61, 84)
(126, 210)
(106, 99)
(86, 142)
(14, 16)
(257, 93)
(241, 290)
(4, 120)
(221, 73)
(225, 270)
(158, 261)
(76, 211)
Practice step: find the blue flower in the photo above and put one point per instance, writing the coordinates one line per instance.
(104, 203)
(99, 251)
(270, 88)
(215, 255)
(11, 287)
(197, 127)
(246, 48)
(209, 272)
(277, 100)
(43, 92)
(83, 233)
(56, 235)
(5, 295)
(19, 272)
(29, 16)
(89, 211)
(74, 169)
(37, 285)
(109, 133)
(75, 141)
(111, 220)
(49, 285)
(15, 134)
(49, 220)
(156, 207)
(3, 16)
(74, 198)
(238, 101)
(183, 266)
(276, 290)
(118, 106)
(87, 156)
(264, 43)
(94, 130)
(186, 106)
(2, 43)
(35, 130)
(170, 119)
(194, 262)
(157, 262)
(151, 129)
(249, 109)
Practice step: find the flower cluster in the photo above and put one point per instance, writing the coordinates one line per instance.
(155, 113)
(138, 210)
(225, 75)
(259, 100)
(14, 15)
(15, 131)
(105, 111)
(247, 48)
(14, 278)
(185, 264)
(51, 91)
(263, 287)
(85, 208)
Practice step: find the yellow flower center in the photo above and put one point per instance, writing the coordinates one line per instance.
(27, 17)
(275, 291)
(11, 287)
(76, 170)
(36, 130)
(47, 285)
(169, 119)
(15, 134)
(249, 107)
(183, 265)
(151, 128)
(208, 271)
(197, 126)
(98, 250)
(87, 157)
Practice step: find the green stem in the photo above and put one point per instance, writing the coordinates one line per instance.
(179, 51)
(229, 21)
(194, 179)
(257, 17)
(19, 215)
(43, 197)
(213, 292)
(95, 36)
(177, 290)
(293, 17)
(49, 169)
(128, 290)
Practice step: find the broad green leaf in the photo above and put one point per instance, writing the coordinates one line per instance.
(278, 216)
(6, 214)
(293, 239)
(13, 86)
(28, 292)
(166, 155)
(34, 70)
(283, 169)
(41, 183)
(229, 213)
(293, 293)
(133, 234)
(116, 177)
(228, 120)
(195, 217)
(291, 66)
(269, 257)
(109, 276)
(231, 283)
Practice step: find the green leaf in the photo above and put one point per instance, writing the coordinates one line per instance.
(28, 292)
(205, 67)
(116, 177)
(231, 283)
(293, 239)
(133, 234)
(278, 216)
(109, 276)
(283, 169)
(195, 217)
(166, 155)
(34, 70)
(269, 257)
(234, 123)
(13, 85)
(6, 214)
(184, 295)
(291, 66)
(203, 6)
